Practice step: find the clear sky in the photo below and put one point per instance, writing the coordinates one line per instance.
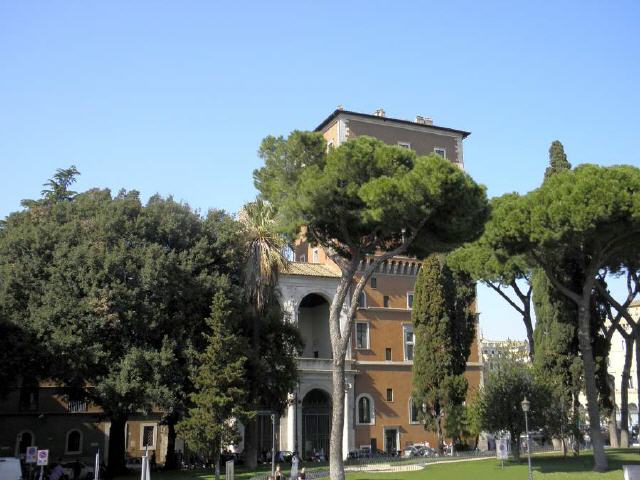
(175, 97)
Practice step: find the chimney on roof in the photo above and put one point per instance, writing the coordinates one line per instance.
(424, 120)
(379, 112)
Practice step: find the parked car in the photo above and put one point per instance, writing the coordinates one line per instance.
(86, 470)
(10, 468)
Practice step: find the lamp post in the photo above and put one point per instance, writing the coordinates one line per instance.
(273, 445)
(526, 404)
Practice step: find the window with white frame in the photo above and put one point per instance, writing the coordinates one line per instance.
(362, 335)
(404, 144)
(365, 410)
(440, 151)
(414, 412)
(73, 442)
(409, 342)
(148, 436)
(362, 300)
(409, 300)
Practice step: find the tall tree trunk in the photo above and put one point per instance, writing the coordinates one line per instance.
(336, 461)
(251, 444)
(584, 338)
(116, 465)
(171, 462)
(624, 392)
(637, 345)
(529, 326)
(614, 433)
(216, 459)
(439, 434)
(515, 446)
(576, 423)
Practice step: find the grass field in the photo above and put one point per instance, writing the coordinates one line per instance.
(547, 467)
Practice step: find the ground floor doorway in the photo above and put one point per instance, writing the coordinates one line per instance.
(316, 424)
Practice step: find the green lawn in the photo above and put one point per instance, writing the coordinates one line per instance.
(547, 467)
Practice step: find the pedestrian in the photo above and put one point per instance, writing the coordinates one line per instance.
(302, 475)
(279, 475)
(57, 472)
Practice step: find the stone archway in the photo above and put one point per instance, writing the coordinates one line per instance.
(313, 324)
(316, 423)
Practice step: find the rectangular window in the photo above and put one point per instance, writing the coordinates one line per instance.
(409, 341)
(29, 396)
(389, 394)
(409, 300)
(387, 354)
(386, 301)
(374, 282)
(362, 335)
(413, 412)
(315, 255)
(404, 144)
(147, 436)
(440, 151)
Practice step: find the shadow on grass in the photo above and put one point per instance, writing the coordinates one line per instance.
(584, 462)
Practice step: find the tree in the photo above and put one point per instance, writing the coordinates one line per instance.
(365, 200)
(221, 391)
(19, 356)
(118, 293)
(558, 363)
(444, 325)
(499, 272)
(263, 263)
(499, 401)
(557, 160)
(585, 219)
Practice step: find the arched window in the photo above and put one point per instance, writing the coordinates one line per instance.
(24, 439)
(73, 443)
(362, 300)
(413, 412)
(365, 410)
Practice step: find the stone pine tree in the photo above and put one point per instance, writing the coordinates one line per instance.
(507, 275)
(221, 393)
(586, 219)
(444, 326)
(365, 202)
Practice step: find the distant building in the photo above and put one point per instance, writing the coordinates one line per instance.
(494, 350)
(616, 364)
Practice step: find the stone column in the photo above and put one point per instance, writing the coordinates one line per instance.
(291, 429)
(348, 439)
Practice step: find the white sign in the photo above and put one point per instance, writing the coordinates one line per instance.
(32, 454)
(43, 457)
(502, 448)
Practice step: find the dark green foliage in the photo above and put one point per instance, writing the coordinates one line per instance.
(366, 186)
(116, 293)
(499, 402)
(557, 160)
(221, 386)
(444, 326)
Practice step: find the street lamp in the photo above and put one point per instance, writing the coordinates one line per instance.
(273, 445)
(526, 405)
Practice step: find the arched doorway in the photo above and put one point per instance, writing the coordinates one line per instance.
(316, 423)
(24, 439)
(313, 324)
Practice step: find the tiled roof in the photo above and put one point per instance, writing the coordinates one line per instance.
(311, 270)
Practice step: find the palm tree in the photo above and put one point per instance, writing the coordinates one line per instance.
(264, 260)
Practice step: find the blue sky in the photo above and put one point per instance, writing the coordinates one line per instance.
(174, 97)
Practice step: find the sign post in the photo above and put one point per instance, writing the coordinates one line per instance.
(42, 460)
(502, 450)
